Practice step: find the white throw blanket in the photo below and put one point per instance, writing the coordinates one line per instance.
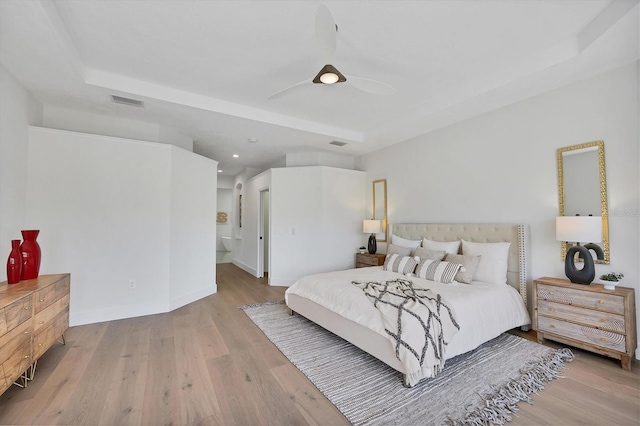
(419, 324)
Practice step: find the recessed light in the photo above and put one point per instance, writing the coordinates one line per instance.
(253, 140)
(235, 156)
(219, 171)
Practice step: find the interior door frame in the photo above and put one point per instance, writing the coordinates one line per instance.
(261, 239)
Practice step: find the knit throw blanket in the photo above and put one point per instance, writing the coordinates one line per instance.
(419, 323)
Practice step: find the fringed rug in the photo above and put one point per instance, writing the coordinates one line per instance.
(480, 387)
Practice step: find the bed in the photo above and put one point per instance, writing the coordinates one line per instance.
(484, 310)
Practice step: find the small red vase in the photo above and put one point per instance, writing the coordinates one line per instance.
(14, 263)
(30, 250)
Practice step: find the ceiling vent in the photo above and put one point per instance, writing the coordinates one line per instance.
(337, 143)
(127, 101)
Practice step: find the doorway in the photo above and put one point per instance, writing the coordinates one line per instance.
(263, 246)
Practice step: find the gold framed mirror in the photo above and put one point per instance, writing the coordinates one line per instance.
(380, 207)
(582, 187)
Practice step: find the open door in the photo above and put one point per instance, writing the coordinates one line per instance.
(263, 246)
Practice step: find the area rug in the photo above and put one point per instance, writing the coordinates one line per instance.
(480, 387)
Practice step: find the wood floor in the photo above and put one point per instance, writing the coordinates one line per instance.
(208, 364)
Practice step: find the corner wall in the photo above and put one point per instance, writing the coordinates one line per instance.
(111, 210)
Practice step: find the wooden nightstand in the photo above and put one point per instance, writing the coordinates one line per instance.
(364, 260)
(587, 316)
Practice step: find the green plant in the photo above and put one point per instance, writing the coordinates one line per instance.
(363, 248)
(612, 276)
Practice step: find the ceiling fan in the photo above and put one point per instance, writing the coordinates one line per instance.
(326, 38)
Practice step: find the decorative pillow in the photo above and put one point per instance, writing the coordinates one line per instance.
(403, 242)
(436, 270)
(424, 253)
(493, 263)
(448, 246)
(401, 251)
(469, 263)
(401, 264)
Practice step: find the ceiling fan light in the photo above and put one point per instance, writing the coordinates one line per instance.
(329, 78)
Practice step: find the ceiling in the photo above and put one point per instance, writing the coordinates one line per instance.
(206, 68)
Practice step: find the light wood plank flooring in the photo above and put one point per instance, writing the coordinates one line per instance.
(208, 364)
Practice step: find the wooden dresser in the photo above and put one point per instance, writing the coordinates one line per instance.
(587, 316)
(33, 315)
(364, 260)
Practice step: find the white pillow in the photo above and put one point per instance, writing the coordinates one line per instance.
(493, 261)
(448, 246)
(437, 270)
(402, 264)
(403, 242)
(402, 251)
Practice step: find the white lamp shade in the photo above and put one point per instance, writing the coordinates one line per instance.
(579, 229)
(371, 226)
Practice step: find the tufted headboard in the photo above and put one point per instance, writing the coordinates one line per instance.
(516, 234)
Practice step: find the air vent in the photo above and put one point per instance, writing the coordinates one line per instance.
(337, 143)
(127, 101)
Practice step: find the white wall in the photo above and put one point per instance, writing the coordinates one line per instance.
(193, 227)
(330, 159)
(99, 124)
(501, 167)
(316, 221)
(111, 210)
(18, 110)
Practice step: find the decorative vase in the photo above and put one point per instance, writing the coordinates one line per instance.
(14, 263)
(30, 250)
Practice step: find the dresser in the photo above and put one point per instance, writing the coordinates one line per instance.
(364, 260)
(34, 314)
(587, 316)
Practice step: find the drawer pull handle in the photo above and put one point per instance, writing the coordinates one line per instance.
(552, 309)
(42, 300)
(603, 339)
(41, 322)
(551, 293)
(40, 345)
(552, 326)
(26, 332)
(600, 302)
(66, 285)
(26, 308)
(26, 356)
(603, 320)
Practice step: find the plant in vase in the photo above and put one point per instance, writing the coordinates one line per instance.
(362, 249)
(611, 279)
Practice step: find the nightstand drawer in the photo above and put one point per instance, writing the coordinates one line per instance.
(600, 301)
(583, 333)
(364, 260)
(590, 317)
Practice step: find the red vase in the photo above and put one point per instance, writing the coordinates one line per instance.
(14, 263)
(30, 250)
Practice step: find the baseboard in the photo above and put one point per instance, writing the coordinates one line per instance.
(281, 282)
(116, 313)
(179, 302)
(132, 311)
(244, 267)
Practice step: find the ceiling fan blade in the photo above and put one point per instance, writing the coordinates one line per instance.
(289, 89)
(326, 33)
(370, 86)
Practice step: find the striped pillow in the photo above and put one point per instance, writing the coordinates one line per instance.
(436, 270)
(401, 264)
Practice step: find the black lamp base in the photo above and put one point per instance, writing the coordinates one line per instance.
(373, 246)
(575, 275)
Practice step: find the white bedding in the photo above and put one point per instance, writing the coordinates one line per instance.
(484, 311)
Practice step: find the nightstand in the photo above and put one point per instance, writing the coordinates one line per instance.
(364, 260)
(587, 316)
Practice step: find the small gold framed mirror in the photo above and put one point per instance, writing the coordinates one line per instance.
(380, 207)
(582, 187)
